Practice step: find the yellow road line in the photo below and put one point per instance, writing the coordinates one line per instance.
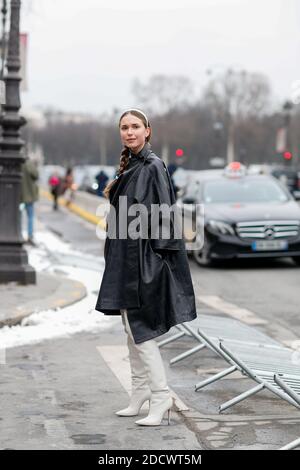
(92, 218)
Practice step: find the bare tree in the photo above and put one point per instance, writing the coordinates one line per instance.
(241, 93)
(163, 93)
(162, 96)
(235, 96)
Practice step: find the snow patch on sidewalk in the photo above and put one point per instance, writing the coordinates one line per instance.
(79, 317)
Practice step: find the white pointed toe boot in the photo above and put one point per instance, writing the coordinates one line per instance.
(138, 398)
(161, 402)
(148, 371)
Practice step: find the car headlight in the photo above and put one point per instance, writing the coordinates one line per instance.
(217, 226)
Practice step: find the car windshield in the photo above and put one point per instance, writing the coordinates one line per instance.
(244, 190)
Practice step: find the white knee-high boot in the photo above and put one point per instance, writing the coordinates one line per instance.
(150, 358)
(140, 391)
(161, 400)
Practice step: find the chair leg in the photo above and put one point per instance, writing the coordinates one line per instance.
(291, 445)
(241, 397)
(187, 353)
(215, 377)
(172, 338)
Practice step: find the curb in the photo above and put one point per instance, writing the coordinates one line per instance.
(67, 292)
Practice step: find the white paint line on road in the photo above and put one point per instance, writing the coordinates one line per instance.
(234, 311)
(116, 357)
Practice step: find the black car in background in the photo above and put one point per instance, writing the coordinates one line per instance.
(245, 216)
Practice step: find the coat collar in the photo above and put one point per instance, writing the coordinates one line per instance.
(143, 153)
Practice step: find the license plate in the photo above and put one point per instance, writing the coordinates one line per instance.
(263, 245)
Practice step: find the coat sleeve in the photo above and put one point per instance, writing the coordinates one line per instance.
(154, 188)
(33, 171)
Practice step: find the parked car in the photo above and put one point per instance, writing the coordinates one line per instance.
(245, 216)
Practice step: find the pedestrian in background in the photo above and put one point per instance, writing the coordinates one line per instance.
(68, 186)
(55, 188)
(29, 194)
(102, 180)
(145, 280)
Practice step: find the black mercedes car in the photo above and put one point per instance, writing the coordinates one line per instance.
(244, 216)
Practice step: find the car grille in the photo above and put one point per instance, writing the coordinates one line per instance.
(268, 229)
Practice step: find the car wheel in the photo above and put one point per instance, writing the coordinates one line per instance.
(296, 259)
(202, 257)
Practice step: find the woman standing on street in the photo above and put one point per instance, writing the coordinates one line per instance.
(146, 279)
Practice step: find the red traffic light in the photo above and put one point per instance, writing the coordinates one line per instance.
(179, 153)
(287, 155)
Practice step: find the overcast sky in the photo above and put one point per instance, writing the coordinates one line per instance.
(84, 54)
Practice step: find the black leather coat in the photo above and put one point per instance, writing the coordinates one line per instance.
(148, 277)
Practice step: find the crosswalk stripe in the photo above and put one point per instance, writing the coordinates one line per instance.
(234, 311)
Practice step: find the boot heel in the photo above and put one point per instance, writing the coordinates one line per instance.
(157, 412)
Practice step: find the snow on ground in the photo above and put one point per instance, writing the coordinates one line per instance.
(57, 257)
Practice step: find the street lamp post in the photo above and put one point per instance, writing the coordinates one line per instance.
(227, 76)
(3, 40)
(13, 258)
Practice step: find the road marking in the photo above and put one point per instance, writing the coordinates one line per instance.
(86, 215)
(116, 357)
(234, 311)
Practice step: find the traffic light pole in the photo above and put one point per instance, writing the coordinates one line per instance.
(287, 108)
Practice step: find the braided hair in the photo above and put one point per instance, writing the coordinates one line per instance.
(124, 158)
